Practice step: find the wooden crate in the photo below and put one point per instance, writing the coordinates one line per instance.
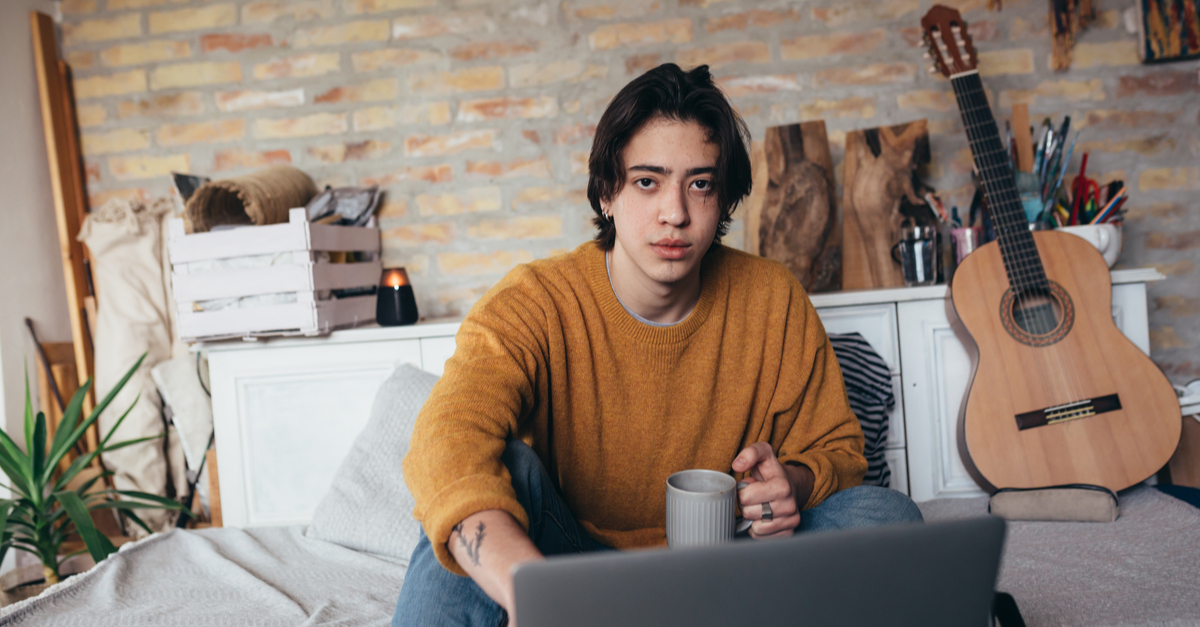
(296, 269)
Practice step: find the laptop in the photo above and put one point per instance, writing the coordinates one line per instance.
(933, 574)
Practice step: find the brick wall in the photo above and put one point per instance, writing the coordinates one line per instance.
(476, 116)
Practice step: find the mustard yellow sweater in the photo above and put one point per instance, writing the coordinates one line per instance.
(613, 406)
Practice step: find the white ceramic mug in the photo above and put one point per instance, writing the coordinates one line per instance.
(1105, 237)
(701, 508)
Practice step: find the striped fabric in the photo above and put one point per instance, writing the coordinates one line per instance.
(869, 387)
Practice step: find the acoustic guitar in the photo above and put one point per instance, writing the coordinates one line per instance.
(1058, 395)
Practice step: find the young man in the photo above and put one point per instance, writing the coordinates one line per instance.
(579, 383)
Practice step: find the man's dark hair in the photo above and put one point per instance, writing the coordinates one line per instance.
(669, 92)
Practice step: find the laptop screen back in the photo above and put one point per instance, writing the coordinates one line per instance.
(935, 574)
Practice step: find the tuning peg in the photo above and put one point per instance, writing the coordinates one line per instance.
(933, 70)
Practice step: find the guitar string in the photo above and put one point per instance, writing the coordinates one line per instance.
(1059, 349)
(1023, 258)
(970, 119)
(1022, 262)
(1022, 277)
(1022, 248)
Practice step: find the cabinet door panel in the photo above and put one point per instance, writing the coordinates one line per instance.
(895, 438)
(285, 417)
(898, 463)
(876, 323)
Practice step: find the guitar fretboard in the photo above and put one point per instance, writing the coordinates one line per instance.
(1021, 260)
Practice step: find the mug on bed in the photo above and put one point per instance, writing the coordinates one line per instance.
(701, 508)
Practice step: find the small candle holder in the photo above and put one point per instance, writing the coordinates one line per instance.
(395, 304)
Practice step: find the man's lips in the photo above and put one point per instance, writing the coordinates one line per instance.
(671, 249)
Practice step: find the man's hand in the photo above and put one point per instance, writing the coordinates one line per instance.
(488, 545)
(784, 488)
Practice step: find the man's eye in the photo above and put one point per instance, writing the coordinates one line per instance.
(703, 185)
(644, 183)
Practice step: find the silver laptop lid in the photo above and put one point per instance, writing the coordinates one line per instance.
(934, 574)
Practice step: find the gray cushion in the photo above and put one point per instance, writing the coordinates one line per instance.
(368, 507)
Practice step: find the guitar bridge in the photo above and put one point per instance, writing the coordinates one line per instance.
(1068, 412)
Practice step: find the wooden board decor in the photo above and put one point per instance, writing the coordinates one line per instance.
(878, 191)
(793, 218)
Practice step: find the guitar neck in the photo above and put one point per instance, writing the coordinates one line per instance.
(1021, 260)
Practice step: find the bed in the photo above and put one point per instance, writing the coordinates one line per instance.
(346, 568)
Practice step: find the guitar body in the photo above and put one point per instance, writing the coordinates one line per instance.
(1108, 416)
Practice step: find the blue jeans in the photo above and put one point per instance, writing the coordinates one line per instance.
(434, 597)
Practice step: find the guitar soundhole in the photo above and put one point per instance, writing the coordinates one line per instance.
(1038, 318)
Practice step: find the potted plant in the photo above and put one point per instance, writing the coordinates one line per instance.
(44, 512)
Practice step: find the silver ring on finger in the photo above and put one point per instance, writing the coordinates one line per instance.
(766, 513)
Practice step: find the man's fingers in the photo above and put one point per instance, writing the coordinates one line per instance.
(765, 492)
(780, 527)
(779, 509)
(751, 456)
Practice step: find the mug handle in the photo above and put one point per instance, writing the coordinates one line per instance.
(1104, 239)
(741, 523)
(896, 253)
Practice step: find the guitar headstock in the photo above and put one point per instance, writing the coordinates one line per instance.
(949, 43)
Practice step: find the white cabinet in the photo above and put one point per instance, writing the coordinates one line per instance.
(286, 411)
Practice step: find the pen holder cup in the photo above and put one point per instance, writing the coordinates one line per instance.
(1105, 237)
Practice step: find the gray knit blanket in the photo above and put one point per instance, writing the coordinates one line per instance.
(220, 577)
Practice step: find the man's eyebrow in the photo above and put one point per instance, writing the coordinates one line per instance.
(658, 169)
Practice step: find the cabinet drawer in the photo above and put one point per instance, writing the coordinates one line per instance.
(876, 323)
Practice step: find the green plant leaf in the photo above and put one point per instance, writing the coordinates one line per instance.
(38, 452)
(113, 430)
(121, 445)
(83, 461)
(138, 521)
(6, 506)
(113, 393)
(63, 442)
(154, 498)
(128, 505)
(16, 475)
(97, 544)
(82, 490)
(28, 410)
(82, 428)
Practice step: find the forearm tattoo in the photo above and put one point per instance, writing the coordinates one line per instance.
(471, 546)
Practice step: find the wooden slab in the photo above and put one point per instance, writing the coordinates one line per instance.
(66, 181)
(793, 214)
(878, 175)
(1021, 134)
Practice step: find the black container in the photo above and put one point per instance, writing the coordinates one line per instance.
(395, 303)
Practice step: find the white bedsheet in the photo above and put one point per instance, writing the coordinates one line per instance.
(221, 577)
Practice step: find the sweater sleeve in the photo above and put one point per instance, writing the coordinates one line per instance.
(454, 466)
(813, 424)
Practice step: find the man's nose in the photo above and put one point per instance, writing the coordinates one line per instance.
(673, 208)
